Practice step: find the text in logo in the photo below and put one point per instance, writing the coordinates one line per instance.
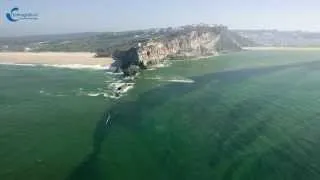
(14, 15)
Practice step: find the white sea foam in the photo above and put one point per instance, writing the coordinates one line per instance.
(94, 94)
(115, 90)
(76, 66)
(154, 78)
(121, 87)
(126, 89)
(105, 95)
(113, 73)
(65, 66)
(17, 64)
(173, 79)
(116, 85)
(180, 80)
(128, 78)
(45, 93)
(161, 65)
(114, 97)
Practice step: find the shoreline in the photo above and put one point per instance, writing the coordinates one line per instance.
(73, 60)
(274, 48)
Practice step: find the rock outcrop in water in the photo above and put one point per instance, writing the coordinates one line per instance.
(176, 43)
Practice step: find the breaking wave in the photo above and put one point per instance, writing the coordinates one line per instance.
(76, 66)
(113, 89)
(17, 64)
(115, 85)
(65, 66)
(172, 79)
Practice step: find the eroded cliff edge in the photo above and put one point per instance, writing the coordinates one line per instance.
(175, 43)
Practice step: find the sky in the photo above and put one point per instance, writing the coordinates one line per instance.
(70, 16)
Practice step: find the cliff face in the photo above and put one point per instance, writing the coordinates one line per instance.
(179, 43)
(191, 44)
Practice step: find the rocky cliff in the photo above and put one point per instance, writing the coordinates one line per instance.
(178, 43)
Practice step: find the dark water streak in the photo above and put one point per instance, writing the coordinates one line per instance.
(89, 169)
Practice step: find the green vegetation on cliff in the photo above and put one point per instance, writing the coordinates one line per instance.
(82, 42)
(102, 43)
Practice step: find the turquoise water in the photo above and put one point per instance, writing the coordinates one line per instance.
(248, 115)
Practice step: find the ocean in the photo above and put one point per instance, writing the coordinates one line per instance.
(248, 115)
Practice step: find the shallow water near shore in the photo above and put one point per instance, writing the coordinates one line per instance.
(248, 115)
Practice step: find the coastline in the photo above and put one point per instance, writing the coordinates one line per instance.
(274, 48)
(74, 60)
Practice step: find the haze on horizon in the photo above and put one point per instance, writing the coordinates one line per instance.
(61, 16)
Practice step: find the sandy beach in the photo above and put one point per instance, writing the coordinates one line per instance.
(54, 58)
(282, 48)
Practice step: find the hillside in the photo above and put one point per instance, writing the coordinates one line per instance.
(78, 42)
(104, 43)
(281, 38)
(57, 42)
